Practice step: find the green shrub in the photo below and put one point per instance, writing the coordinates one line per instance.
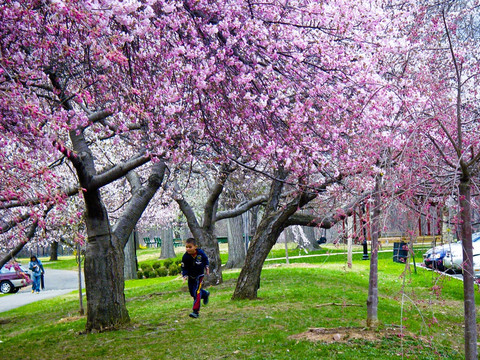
(174, 269)
(161, 272)
(140, 274)
(145, 267)
(167, 263)
(150, 274)
(156, 265)
(178, 261)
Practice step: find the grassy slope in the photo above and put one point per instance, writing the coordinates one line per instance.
(292, 299)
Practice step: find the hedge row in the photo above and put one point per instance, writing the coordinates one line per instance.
(157, 269)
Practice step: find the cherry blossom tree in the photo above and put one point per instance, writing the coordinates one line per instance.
(70, 90)
(202, 226)
(445, 119)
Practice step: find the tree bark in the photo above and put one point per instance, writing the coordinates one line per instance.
(210, 246)
(347, 234)
(274, 221)
(303, 236)
(372, 300)
(205, 234)
(309, 233)
(104, 256)
(266, 236)
(168, 250)
(471, 351)
(104, 259)
(236, 243)
(130, 265)
(254, 220)
(54, 251)
(271, 226)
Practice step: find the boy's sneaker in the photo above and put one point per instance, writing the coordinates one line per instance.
(205, 299)
(194, 315)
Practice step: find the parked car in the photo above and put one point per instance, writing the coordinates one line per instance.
(433, 258)
(476, 265)
(13, 277)
(454, 256)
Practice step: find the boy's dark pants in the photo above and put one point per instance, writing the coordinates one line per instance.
(195, 288)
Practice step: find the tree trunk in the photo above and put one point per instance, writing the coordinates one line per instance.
(209, 244)
(168, 250)
(54, 251)
(303, 236)
(372, 300)
(288, 236)
(273, 223)
(471, 351)
(309, 233)
(349, 248)
(236, 243)
(104, 259)
(254, 220)
(265, 238)
(130, 267)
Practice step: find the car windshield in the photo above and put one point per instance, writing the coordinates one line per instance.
(11, 269)
(4, 270)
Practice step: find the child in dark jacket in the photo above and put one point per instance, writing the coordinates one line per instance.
(194, 263)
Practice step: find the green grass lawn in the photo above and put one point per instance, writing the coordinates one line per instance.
(420, 315)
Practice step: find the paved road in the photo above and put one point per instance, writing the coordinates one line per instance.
(57, 282)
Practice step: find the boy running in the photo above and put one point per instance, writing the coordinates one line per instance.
(194, 262)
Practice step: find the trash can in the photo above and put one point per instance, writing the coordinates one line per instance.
(400, 252)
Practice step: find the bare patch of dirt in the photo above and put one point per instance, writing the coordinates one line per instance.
(343, 334)
(70, 318)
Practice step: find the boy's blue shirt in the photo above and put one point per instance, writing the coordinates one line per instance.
(194, 266)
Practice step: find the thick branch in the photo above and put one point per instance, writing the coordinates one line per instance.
(137, 205)
(99, 115)
(11, 254)
(6, 227)
(212, 201)
(117, 171)
(241, 208)
(188, 212)
(328, 221)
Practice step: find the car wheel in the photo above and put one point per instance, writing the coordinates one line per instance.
(6, 287)
(440, 267)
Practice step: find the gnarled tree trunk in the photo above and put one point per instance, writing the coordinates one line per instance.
(54, 251)
(130, 265)
(168, 249)
(103, 267)
(266, 236)
(236, 243)
(275, 219)
(271, 226)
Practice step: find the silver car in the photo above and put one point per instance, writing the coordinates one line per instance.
(454, 255)
(13, 277)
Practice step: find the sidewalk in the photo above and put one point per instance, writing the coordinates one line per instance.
(25, 296)
(57, 282)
